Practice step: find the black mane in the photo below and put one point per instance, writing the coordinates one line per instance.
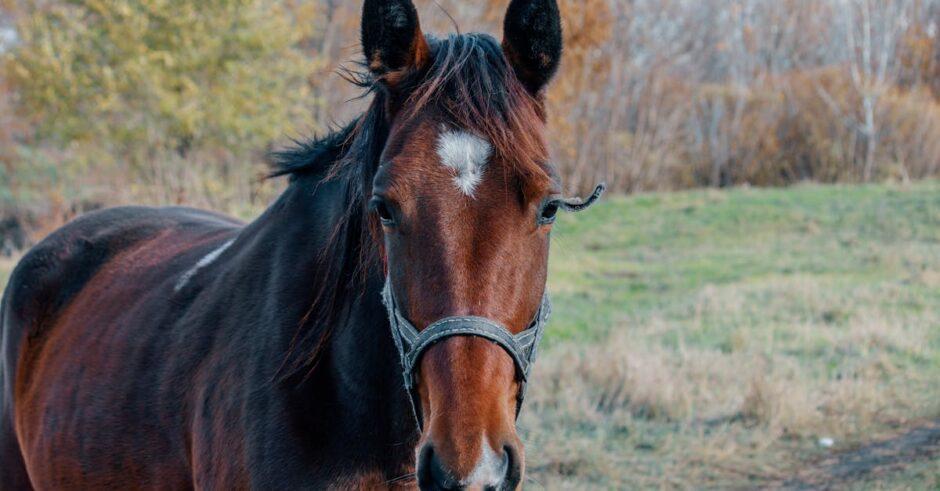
(313, 155)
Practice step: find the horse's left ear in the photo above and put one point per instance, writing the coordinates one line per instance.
(532, 41)
(392, 40)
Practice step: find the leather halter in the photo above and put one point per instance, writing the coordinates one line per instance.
(412, 343)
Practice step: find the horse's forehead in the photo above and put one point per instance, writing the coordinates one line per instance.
(464, 156)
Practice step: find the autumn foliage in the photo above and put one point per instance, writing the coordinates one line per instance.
(179, 101)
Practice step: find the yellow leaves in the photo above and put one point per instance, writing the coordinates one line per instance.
(161, 73)
(19, 70)
(587, 23)
(306, 15)
(164, 57)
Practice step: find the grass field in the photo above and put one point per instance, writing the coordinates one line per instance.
(714, 338)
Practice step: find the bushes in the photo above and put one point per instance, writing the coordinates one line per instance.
(177, 101)
(168, 101)
(801, 125)
(158, 74)
(715, 93)
(804, 128)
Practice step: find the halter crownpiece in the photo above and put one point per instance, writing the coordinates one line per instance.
(522, 347)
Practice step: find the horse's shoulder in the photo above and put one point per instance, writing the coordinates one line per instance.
(56, 268)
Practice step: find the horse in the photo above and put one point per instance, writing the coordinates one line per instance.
(371, 329)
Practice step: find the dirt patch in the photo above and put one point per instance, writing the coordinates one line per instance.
(869, 462)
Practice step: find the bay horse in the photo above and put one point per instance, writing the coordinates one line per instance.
(371, 329)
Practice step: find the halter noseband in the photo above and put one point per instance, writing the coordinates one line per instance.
(412, 343)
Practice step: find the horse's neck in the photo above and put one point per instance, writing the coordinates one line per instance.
(355, 381)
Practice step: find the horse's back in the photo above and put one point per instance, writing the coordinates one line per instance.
(57, 268)
(83, 290)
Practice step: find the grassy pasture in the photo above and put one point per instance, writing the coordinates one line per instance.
(713, 338)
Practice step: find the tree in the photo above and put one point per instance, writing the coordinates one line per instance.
(145, 76)
(872, 31)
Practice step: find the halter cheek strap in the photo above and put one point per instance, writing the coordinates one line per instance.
(411, 343)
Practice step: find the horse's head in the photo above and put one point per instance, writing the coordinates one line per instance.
(466, 199)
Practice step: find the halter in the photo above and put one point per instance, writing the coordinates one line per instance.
(412, 343)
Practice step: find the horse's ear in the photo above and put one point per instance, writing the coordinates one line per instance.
(532, 41)
(391, 39)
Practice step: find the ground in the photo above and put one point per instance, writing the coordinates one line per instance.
(742, 339)
(779, 338)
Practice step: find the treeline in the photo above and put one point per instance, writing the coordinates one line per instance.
(179, 101)
(717, 92)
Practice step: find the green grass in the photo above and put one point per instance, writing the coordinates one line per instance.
(647, 256)
(710, 338)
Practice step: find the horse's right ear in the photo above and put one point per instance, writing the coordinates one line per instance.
(392, 41)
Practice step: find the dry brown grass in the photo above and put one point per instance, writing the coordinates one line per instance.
(630, 412)
(737, 330)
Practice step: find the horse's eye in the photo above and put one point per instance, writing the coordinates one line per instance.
(381, 208)
(549, 211)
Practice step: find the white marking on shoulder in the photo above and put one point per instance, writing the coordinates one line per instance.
(205, 261)
(466, 154)
(489, 471)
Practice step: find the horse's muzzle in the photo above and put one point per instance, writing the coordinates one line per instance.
(495, 471)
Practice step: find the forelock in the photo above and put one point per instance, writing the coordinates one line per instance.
(475, 89)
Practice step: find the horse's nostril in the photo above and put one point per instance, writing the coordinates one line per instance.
(513, 467)
(432, 475)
